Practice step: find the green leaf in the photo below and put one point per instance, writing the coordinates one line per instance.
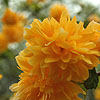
(92, 81)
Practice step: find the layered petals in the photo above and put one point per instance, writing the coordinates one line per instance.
(58, 54)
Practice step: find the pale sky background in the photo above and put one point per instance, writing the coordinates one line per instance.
(94, 2)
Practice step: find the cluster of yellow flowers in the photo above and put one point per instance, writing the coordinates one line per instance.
(13, 29)
(58, 54)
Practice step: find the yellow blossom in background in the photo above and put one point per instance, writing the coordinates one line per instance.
(3, 43)
(10, 17)
(97, 94)
(13, 27)
(56, 11)
(1, 76)
(14, 33)
(94, 17)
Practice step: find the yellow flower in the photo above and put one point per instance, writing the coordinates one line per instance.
(10, 17)
(32, 86)
(1, 76)
(3, 43)
(56, 11)
(97, 94)
(66, 45)
(94, 17)
(13, 26)
(56, 54)
(14, 33)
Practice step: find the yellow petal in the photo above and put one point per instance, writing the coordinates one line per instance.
(66, 58)
(50, 59)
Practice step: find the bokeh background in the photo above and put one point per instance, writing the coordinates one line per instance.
(84, 10)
